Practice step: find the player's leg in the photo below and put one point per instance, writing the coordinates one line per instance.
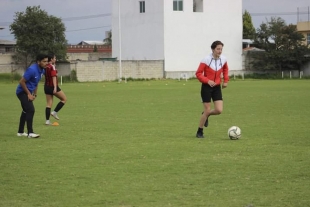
(217, 100)
(63, 99)
(206, 102)
(218, 108)
(29, 110)
(48, 90)
(22, 119)
(49, 104)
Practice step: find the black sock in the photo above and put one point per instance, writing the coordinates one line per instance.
(47, 113)
(200, 129)
(59, 106)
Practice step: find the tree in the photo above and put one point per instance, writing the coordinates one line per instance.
(108, 39)
(95, 48)
(248, 28)
(37, 32)
(283, 45)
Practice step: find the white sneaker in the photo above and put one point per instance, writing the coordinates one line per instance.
(54, 114)
(47, 122)
(22, 134)
(33, 135)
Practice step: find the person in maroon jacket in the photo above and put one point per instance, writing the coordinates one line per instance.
(52, 89)
(209, 73)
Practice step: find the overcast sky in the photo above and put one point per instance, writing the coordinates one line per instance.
(89, 19)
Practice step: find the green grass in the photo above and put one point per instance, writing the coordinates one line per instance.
(133, 144)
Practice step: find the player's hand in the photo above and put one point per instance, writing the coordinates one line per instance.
(224, 85)
(55, 90)
(211, 83)
(31, 97)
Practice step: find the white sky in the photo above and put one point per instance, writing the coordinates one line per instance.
(89, 19)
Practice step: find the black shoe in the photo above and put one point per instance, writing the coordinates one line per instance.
(200, 135)
(207, 121)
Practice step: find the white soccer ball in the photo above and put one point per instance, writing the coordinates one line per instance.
(234, 132)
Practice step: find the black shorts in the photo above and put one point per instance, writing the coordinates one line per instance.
(48, 90)
(208, 92)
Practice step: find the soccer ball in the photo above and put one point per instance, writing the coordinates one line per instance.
(234, 132)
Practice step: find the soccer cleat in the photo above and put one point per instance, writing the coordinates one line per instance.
(33, 135)
(22, 134)
(54, 114)
(47, 122)
(200, 135)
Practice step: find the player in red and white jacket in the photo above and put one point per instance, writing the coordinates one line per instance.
(210, 72)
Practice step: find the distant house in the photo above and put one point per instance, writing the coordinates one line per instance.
(91, 43)
(7, 46)
(247, 43)
(88, 47)
(304, 28)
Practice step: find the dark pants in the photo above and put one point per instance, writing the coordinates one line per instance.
(27, 113)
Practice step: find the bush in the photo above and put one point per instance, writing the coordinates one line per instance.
(10, 77)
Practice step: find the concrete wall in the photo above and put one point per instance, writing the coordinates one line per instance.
(306, 69)
(109, 70)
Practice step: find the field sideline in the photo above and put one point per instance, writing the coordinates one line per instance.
(133, 144)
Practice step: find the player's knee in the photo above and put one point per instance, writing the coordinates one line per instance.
(64, 100)
(218, 111)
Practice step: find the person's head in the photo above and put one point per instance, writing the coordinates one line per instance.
(217, 47)
(42, 60)
(52, 58)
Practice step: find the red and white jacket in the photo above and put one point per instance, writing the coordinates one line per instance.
(212, 69)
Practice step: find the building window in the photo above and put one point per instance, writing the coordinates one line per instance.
(142, 6)
(9, 49)
(177, 5)
(197, 5)
(308, 39)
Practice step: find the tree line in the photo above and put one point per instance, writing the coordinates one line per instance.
(284, 47)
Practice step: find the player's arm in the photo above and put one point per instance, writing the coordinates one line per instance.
(200, 73)
(225, 75)
(54, 79)
(35, 92)
(22, 83)
(55, 83)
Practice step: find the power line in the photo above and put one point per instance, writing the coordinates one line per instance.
(75, 30)
(85, 17)
(72, 18)
(88, 28)
(278, 13)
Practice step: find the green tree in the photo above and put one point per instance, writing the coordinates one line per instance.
(95, 48)
(283, 45)
(248, 28)
(37, 32)
(108, 39)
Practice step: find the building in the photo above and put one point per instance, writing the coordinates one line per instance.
(7, 46)
(304, 28)
(179, 32)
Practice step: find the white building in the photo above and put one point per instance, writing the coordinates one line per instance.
(180, 32)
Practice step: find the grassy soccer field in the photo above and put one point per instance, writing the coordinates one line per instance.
(133, 144)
